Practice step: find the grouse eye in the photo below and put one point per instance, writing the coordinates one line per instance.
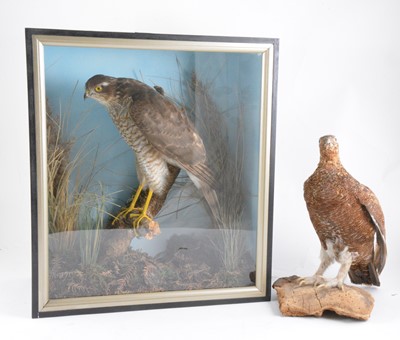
(98, 88)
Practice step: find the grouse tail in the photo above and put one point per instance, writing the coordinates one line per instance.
(367, 275)
(380, 250)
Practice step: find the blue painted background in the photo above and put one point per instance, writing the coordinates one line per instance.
(233, 78)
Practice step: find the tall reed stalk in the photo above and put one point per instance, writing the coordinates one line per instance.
(227, 163)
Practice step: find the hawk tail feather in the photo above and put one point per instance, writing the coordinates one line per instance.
(202, 172)
(211, 197)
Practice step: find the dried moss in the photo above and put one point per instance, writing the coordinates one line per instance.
(195, 266)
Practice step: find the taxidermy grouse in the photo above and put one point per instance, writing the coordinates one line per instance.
(348, 220)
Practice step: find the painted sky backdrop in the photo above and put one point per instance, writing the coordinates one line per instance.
(233, 78)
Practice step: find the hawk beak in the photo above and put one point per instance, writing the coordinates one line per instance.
(86, 94)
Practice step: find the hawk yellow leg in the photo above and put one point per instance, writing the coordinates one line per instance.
(131, 207)
(143, 214)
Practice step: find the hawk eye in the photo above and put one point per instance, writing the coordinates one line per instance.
(98, 88)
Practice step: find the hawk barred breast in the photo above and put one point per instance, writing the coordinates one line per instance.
(159, 133)
(348, 219)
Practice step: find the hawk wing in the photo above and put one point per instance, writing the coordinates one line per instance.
(169, 130)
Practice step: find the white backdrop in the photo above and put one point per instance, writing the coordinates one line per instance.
(339, 74)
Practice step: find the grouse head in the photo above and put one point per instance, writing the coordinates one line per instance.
(329, 149)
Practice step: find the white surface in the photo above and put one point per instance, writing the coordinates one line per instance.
(339, 73)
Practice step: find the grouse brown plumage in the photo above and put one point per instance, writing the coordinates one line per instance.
(348, 220)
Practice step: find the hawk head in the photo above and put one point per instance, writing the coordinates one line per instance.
(100, 88)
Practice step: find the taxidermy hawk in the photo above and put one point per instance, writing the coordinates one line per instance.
(160, 134)
(348, 220)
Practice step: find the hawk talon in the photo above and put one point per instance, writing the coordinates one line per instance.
(140, 218)
(124, 212)
(131, 216)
